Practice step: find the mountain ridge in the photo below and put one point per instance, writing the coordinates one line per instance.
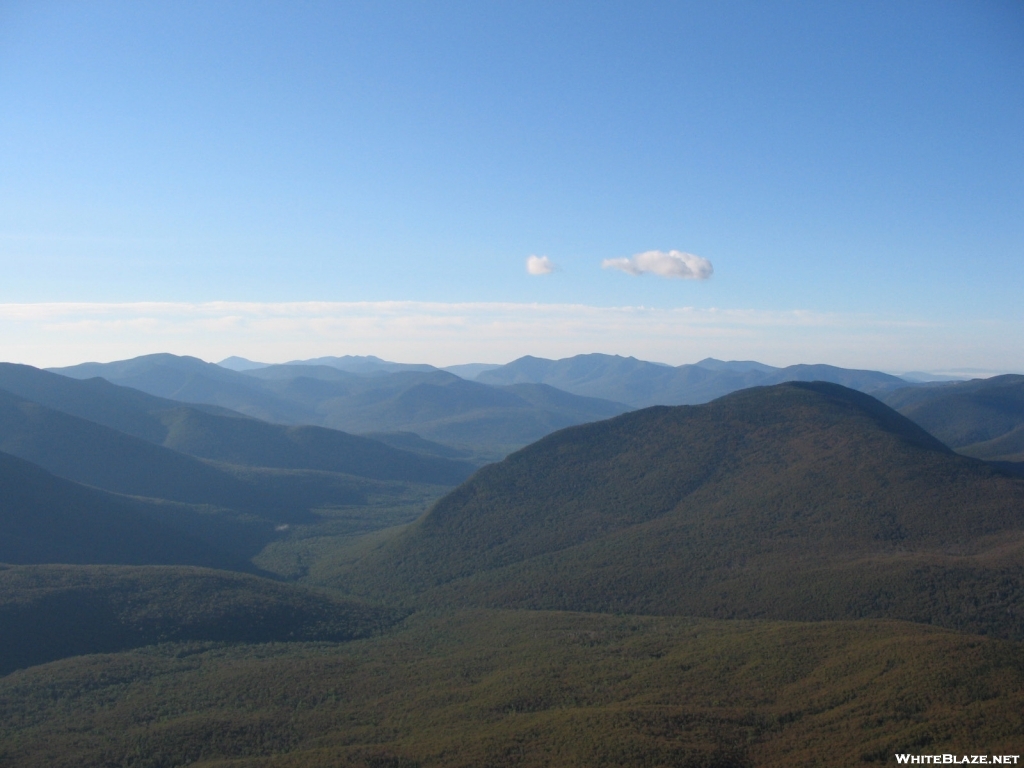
(434, 404)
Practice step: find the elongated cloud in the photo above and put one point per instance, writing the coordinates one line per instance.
(675, 264)
(539, 265)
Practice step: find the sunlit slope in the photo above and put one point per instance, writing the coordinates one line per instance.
(49, 612)
(46, 519)
(799, 501)
(529, 689)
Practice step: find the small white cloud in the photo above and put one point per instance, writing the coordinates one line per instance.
(539, 265)
(676, 264)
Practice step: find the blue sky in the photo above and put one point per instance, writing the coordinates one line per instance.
(853, 168)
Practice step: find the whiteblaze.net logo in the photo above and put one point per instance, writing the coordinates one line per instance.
(957, 759)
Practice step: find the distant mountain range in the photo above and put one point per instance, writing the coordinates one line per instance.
(362, 364)
(640, 384)
(434, 404)
(506, 407)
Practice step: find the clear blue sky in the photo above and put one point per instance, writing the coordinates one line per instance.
(861, 161)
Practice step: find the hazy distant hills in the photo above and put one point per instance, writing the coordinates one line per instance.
(799, 501)
(361, 364)
(433, 404)
(982, 418)
(190, 380)
(640, 384)
(214, 434)
(225, 482)
(436, 405)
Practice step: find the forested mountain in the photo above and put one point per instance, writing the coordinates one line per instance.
(799, 501)
(982, 417)
(640, 384)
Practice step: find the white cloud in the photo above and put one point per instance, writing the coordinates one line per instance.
(676, 264)
(539, 265)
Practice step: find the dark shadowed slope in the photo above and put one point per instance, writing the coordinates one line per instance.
(212, 433)
(45, 519)
(256, 443)
(89, 453)
(640, 383)
(50, 612)
(982, 418)
(804, 501)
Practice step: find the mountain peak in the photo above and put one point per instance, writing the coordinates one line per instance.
(662, 509)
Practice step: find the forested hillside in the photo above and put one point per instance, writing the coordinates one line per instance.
(982, 417)
(49, 612)
(800, 501)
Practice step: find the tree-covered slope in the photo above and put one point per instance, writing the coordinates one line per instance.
(50, 612)
(46, 519)
(801, 501)
(529, 690)
(1009, 446)
(975, 417)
